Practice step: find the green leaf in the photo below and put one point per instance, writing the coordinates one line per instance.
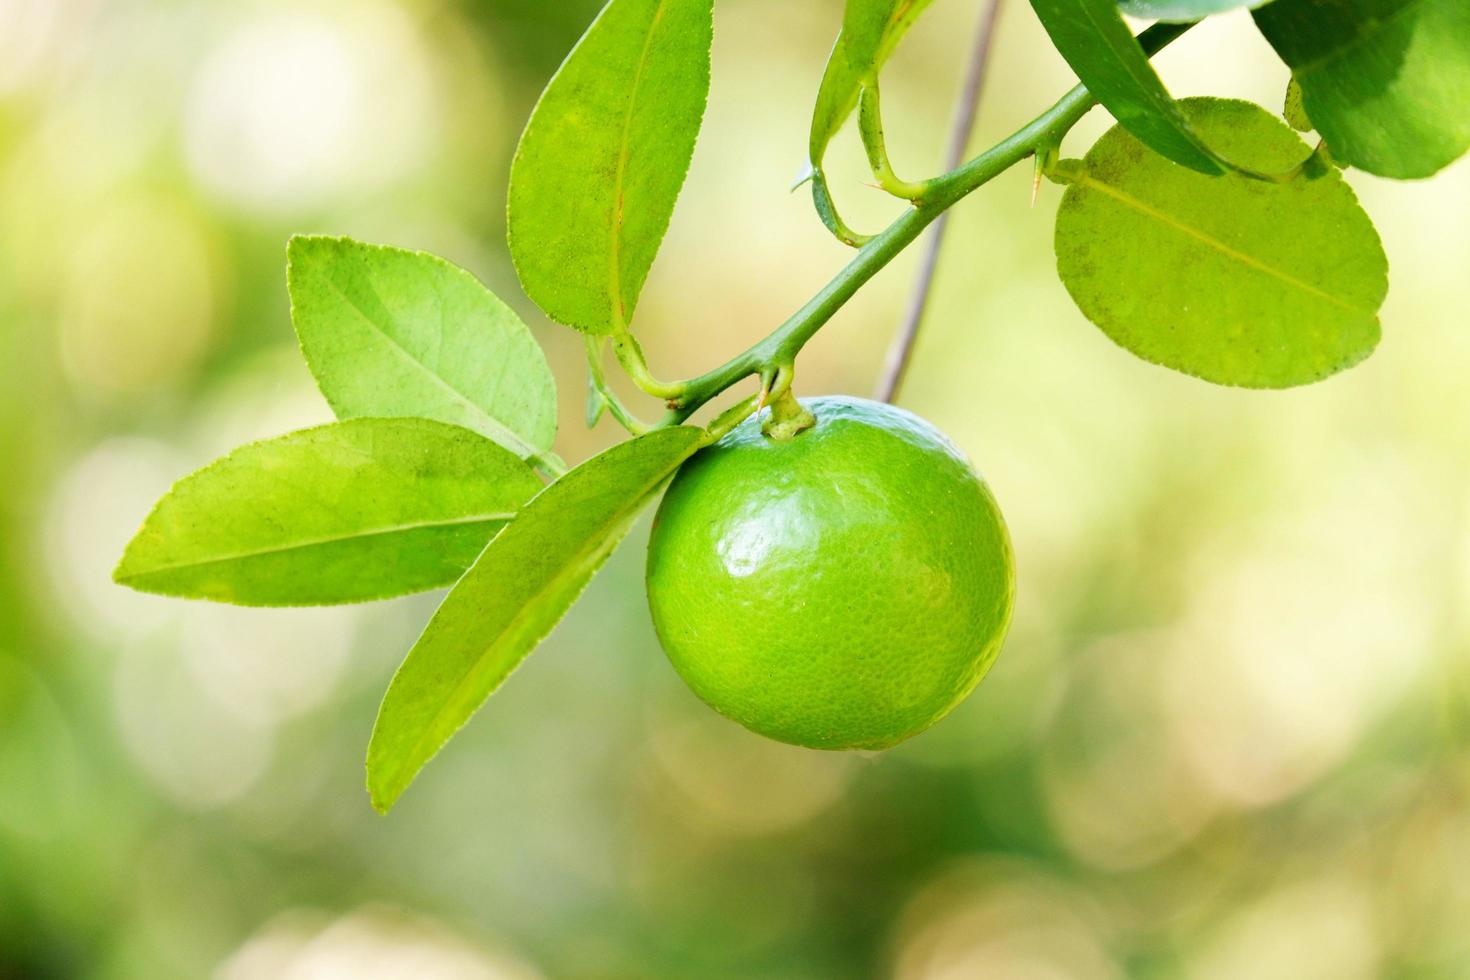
(1097, 43)
(389, 332)
(1181, 11)
(603, 158)
(511, 598)
(871, 29)
(1385, 82)
(357, 510)
(1292, 109)
(1237, 281)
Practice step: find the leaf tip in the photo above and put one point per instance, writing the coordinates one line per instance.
(126, 572)
(303, 249)
(120, 575)
(382, 791)
(298, 245)
(381, 803)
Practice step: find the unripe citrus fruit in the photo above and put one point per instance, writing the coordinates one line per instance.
(841, 589)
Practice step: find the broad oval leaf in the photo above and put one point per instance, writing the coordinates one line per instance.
(1233, 280)
(603, 157)
(389, 332)
(1181, 11)
(1385, 82)
(871, 29)
(1100, 47)
(511, 598)
(357, 510)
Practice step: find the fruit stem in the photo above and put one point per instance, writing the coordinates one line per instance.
(782, 344)
(788, 417)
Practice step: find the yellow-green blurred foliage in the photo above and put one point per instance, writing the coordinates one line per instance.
(1227, 738)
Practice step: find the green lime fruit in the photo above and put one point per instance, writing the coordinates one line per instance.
(844, 588)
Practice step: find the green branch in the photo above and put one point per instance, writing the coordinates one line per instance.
(780, 347)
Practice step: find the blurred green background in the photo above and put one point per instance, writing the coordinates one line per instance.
(1228, 737)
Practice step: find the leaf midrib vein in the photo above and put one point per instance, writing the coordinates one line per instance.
(324, 540)
(615, 250)
(1375, 27)
(493, 427)
(1243, 258)
(579, 558)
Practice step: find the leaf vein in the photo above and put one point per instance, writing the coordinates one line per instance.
(579, 560)
(620, 313)
(1243, 258)
(490, 425)
(1372, 27)
(320, 541)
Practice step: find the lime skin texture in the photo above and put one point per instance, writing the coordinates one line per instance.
(841, 589)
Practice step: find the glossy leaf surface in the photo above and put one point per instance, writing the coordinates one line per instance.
(1385, 82)
(390, 332)
(603, 158)
(357, 510)
(1237, 281)
(1100, 47)
(511, 598)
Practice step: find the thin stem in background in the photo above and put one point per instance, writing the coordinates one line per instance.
(897, 364)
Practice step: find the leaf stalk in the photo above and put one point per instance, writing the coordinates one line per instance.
(605, 394)
(870, 126)
(827, 211)
(630, 356)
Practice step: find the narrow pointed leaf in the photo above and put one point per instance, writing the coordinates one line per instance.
(603, 159)
(1100, 47)
(510, 599)
(357, 510)
(389, 332)
(1385, 82)
(1237, 281)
